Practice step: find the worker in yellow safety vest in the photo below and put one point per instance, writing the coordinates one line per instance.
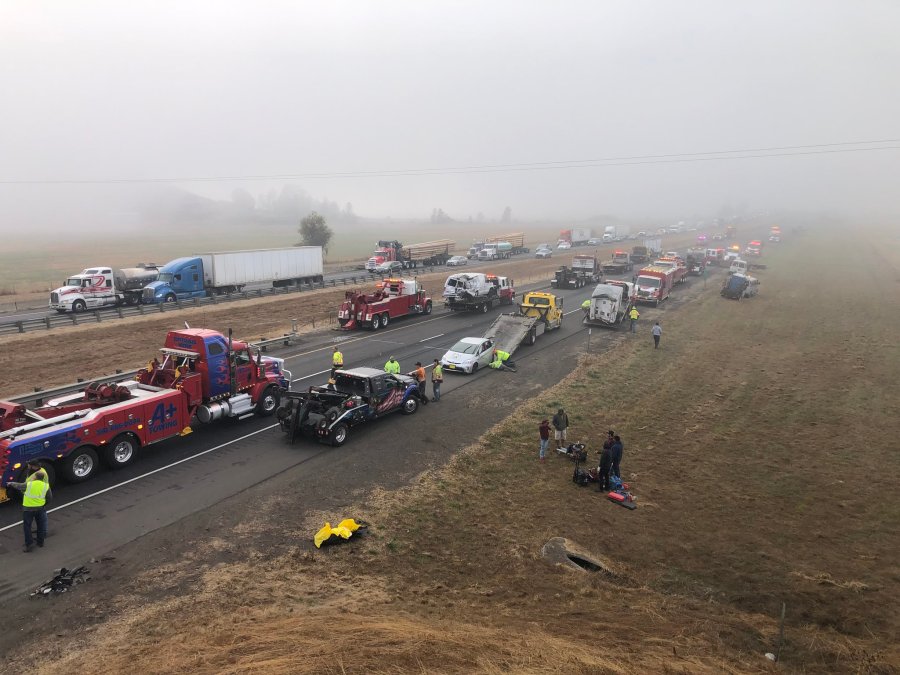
(501, 361)
(36, 492)
(586, 306)
(337, 361)
(392, 366)
(437, 378)
(633, 315)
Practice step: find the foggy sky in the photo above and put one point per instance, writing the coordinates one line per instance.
(111, 90)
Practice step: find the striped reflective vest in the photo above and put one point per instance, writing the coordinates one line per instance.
(337, 359)
(35, 493)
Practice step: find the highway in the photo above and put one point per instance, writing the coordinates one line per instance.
(185, 475)
(41, 313)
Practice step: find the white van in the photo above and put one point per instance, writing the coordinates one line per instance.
(739, 266)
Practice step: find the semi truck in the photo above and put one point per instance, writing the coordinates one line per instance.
(516, 241)
(676, 264)
(610, 303)
(577, 236)
(392, 299)
(584, 271)
(619, 263)
(495, 251)
(203, 377)
(427, 253)
(644, 253)
(477, 292)
(103, 287)
(696, 261)
(204, 274)
(654, 284)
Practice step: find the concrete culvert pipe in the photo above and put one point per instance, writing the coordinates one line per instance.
(568, 554)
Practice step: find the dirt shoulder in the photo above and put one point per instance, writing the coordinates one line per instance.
(759, 439)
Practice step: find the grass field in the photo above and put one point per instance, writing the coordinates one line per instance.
(761, 441)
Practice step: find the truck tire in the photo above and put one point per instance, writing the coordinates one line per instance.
(484, 307)
(339, 435)
(428, 307)
(376, 322)
(269, 401)
(78, 306)
(531, 338)
(385, 319)
(410, 406)
(80, 465)
(171, 297)
(121, 451)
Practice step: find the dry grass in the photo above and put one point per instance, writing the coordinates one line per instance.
(745, 432)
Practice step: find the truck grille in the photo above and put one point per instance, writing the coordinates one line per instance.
(147, 295)
(54, 298)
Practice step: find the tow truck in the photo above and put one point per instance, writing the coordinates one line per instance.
(203, 377)
(537, 313)
(354, 397)
(477, 292)
(619, 263)
(392, 299)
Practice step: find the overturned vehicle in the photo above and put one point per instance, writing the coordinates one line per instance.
(356, 396)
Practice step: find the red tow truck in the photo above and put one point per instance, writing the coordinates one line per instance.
(654, 284)
(203, 377)
(392, 298)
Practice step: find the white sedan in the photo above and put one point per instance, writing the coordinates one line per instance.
(563, 245)
(468, 355)
(457, 260)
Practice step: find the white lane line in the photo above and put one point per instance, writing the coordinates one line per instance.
(306, 377)
(433, 337)
(149, 473)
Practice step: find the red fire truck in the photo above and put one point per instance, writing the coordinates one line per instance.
(392, 298)
(204, 376)
(654, 284)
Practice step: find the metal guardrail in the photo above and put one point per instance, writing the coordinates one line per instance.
(126, 311)
(39, 396)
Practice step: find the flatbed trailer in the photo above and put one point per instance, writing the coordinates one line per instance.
(537, 314)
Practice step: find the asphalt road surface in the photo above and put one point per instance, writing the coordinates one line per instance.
(185, 475)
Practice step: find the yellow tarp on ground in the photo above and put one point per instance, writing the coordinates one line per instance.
(344, 529)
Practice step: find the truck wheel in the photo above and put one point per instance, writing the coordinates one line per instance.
(269, 401)
(170, 297)
(339, 435)
(376, 322)
(531, 339)
(78, 306)
(428, 307)
(121, 451)
(385, 319)
(485, 307)
(80, 464)
(410, 406)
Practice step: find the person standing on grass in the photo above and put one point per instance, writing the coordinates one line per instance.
(437, 377)
(633, 315)
(35, 494)
(560, 424)
(657, 333)
(605, 466)
(615, 453)
(544, 431)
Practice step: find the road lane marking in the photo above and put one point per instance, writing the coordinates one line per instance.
(306, 377)
(433, 337)
(149, 473)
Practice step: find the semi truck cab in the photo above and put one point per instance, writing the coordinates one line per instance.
(180, 279)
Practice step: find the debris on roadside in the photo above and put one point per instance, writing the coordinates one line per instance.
(63, 580)
(343, 531)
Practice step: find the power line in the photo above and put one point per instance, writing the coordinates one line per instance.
(713, 155)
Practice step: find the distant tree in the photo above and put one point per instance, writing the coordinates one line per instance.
(507, 215)
(315, 232)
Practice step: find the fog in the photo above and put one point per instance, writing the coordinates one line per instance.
(113, 91)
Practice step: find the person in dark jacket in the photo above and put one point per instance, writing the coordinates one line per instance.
(560, 424)
(604, 468)
(544, 433)
(616, 454)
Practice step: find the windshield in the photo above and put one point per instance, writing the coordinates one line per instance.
(462, 347)
(652, 282)
(75, 281)
(166, 277)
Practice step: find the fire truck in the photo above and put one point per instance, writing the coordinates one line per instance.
(203, 377)
(654, 284)
(392, 298)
